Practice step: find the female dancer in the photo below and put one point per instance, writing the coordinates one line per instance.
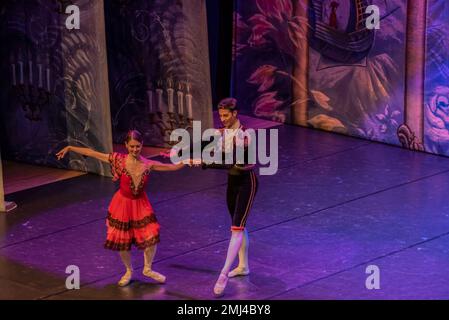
(130, 219)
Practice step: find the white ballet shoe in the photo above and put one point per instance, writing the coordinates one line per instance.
(239, 271)
(154, 275)
(220, 285)
(126, 279)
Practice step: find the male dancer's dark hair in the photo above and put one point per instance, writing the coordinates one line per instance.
(228, 104)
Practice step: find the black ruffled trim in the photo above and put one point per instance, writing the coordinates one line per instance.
(131, 224)
(126, 246)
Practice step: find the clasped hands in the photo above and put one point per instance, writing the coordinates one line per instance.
(189, 162)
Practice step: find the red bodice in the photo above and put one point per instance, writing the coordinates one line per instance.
(127, 186)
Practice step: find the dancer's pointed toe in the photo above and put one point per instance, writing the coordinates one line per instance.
(238, 272)
(154, 275)
(126, 279)
(220, 285)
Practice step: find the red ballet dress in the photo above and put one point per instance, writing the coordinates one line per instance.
(131, 218)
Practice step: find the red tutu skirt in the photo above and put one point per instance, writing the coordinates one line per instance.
(131, 221)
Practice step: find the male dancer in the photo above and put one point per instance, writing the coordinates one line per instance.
(241, 190)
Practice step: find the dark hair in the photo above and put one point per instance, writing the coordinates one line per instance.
(228, 104)
(134, 135)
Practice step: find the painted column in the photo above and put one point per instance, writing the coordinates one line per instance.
(300, 70)
(195, 55)
(85, 72)
(411, 133)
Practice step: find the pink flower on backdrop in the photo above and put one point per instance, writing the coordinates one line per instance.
(276, 20)
(437, 120)
(260, 27)
(275, 8)
(266, 105)
(264, 76)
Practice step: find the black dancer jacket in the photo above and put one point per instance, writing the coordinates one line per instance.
(234, 167)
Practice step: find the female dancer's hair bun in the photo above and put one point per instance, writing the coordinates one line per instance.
(134, 135)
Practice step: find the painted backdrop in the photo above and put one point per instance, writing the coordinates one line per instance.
(146, 67)
(54, 90)
(158, 67)
(315, 63)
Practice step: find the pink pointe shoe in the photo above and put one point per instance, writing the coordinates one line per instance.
(220, 285)
(154, 275)
(126, 279)
(238, 272)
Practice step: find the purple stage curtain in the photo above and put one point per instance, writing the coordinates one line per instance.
(2, 190)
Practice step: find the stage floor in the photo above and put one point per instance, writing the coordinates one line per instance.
(336, 205)
(21, 176)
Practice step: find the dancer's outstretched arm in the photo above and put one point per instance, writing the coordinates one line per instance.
(83, 151)
(159, 166)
